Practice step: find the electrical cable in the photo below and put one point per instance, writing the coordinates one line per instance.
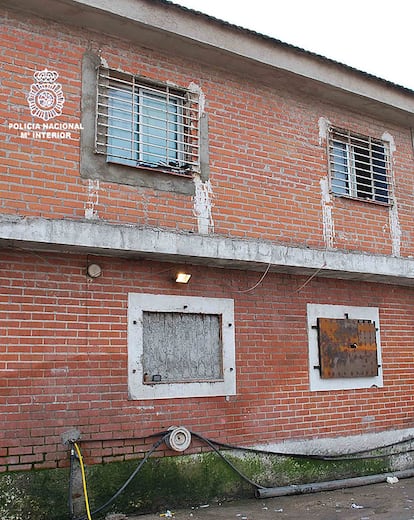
(85, 491)
(269, 452)
(259, 487)
(228, 462)
(257, 283)
(345, 458)
(311, 277)
(123, 439)
(128, 481)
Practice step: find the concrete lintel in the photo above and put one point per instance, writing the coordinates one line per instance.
(164, 245)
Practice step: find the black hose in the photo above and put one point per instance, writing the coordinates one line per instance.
(132, 476)
(229, 463)
(344, 458)
(336, 457)
(123, 439)
(263, 491)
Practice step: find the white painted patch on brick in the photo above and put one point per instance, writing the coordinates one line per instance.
(62, 371)
(395, 228)
(386, 136)
(324, 125)
(104, 62)
(327, 219)
(93, 199)
(203, 205)
(196, 89)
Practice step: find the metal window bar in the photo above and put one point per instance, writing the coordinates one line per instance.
(359, 166)
(147, 125)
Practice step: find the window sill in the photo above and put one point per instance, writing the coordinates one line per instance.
(358, 199)
(151, 169)
(198, 381)
(95, 166)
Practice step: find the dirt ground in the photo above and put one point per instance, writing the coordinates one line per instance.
(374, 502)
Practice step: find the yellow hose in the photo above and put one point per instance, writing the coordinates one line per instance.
(85, 492)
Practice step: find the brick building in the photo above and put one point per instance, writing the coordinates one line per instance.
(144, 139)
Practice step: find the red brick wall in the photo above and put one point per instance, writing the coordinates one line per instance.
(64, 345)
(64, 360)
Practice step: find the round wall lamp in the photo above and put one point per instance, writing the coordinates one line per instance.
(94, 270)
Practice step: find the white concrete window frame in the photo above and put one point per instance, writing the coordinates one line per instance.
(95, 166)
(316, 311)
(138, 303)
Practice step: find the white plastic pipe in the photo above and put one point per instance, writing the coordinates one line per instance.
(330, 485)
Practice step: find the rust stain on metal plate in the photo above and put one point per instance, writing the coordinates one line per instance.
(347, 348)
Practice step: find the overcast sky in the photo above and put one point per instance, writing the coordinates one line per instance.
(375, 36)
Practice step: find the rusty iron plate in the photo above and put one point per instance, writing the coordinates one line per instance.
(347, 348)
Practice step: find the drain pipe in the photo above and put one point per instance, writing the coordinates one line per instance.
(330, 485)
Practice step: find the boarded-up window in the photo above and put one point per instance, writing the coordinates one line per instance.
(344, 347)
(181, 347)
(347, 348)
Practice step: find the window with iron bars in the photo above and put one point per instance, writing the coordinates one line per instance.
(146, 125)
(359, 166)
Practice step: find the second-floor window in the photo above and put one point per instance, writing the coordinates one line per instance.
(359, 166)
(146, 125)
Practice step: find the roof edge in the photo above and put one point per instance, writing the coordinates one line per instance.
(164, 25)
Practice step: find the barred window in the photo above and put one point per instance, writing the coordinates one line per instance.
(146, 125)
(359, 166)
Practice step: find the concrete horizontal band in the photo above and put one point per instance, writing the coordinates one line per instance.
(101, 238)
